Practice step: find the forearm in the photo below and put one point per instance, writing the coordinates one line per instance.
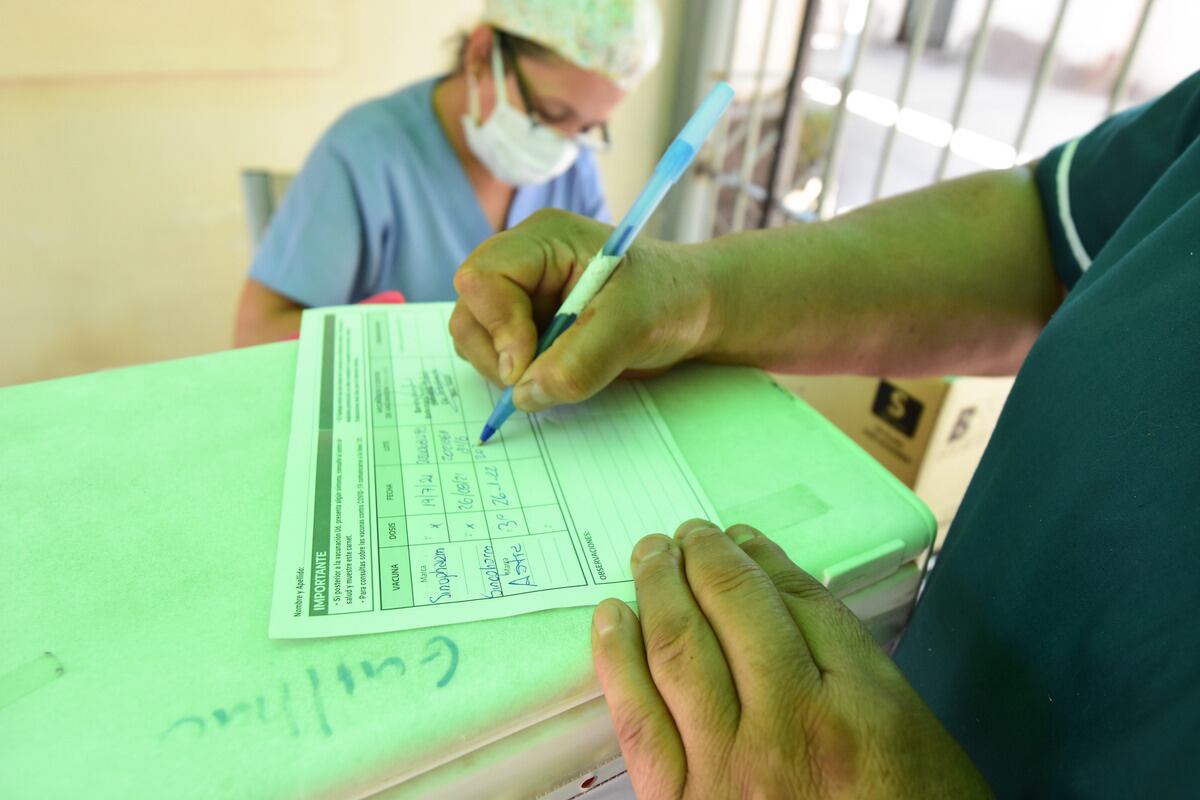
(264, 316)
(264, 330)
(952, 279)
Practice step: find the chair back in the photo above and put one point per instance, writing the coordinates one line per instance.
(262, 192)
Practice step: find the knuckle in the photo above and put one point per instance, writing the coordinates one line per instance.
(549, 259)
(641, 332)
(548, 216)
(761, 546)
(854, 633)
(672, 642)
(648, 329)
(635, 726)
(770, 774)
(543, 214)
(566, 381)
(735, 579)
(466, 280)
(801, 586)
(460, 324)
(655, 570)
(835, 752)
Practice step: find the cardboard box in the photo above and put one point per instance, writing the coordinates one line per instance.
(929, 432)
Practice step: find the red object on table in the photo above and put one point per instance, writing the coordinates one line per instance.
(390, 296)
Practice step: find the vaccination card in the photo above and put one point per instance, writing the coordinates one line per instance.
(395, 517)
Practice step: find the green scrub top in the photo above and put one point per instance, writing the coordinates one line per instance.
(1059, 636)
(383, 203)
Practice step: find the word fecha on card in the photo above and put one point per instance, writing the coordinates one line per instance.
(277, 712)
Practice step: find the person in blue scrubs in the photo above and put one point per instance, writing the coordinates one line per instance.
(402, 188)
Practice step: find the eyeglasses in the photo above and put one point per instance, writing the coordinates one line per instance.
(595, 138)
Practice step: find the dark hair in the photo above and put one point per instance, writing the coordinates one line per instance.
(510, 45)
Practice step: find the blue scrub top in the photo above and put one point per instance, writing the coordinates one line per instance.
(383, 203)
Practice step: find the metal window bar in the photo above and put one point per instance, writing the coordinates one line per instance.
(722, 133)
(754, 124)
(916, 47)
(783, 162)
(739, 132)
(735, 131)
(826, 202)
(730, 180)
(1039, 79)
(978, 43)
(739, 137)
(766, 145)
(770, 197)
(1117, 94)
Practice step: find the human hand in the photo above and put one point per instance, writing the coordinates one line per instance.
(656, 309)
(746, 678)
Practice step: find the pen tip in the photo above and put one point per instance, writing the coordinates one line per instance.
(488, 430)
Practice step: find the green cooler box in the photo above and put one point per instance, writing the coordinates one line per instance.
(140, 520)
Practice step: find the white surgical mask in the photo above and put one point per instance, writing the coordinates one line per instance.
(510, 145)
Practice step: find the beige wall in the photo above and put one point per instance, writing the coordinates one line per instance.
(123, 126)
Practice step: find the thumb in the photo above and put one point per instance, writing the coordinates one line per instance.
(591, 354)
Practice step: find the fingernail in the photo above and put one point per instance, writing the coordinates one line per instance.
(506, 367)
(531, 397)
(648, 548)
(742, 534)
(606, 617)
(691, 526)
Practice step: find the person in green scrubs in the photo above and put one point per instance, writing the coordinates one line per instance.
(1054, 652)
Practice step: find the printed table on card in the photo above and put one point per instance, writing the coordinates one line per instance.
(394, 515)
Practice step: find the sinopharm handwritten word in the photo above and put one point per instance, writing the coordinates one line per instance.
(491, 573)
(442, 575)
(309, 704)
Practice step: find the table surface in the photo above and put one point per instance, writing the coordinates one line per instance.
(141, 511)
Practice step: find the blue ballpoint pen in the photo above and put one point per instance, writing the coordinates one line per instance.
(670, 167)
